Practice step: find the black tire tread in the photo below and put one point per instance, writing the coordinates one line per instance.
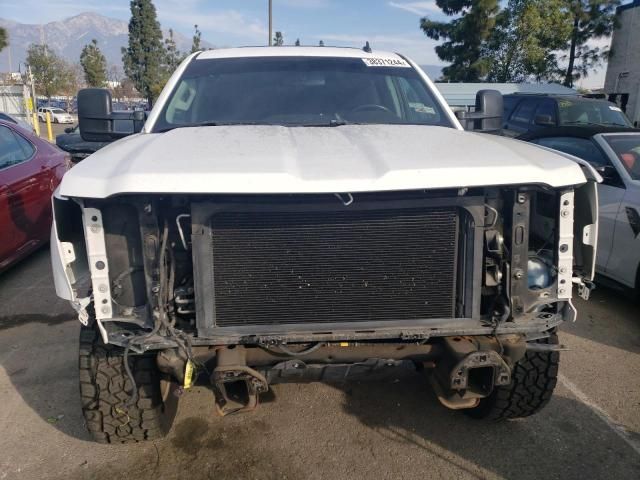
(534, 378)
(105, 388)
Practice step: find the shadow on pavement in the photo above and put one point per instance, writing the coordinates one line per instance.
(609, 317)
(564, 440)
(39, 344)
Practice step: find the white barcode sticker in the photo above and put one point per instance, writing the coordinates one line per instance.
(385, 62)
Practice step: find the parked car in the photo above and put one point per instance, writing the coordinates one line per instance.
(57, 115)
(30, 169)
(307, 214)
(8, 118)
(615, 153)
(531, 113)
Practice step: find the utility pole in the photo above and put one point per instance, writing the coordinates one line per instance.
(270, 22)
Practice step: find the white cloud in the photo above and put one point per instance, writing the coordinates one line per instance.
(417, 8)
(230, 22)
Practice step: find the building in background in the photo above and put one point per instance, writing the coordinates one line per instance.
(15, 98)
(622, 83)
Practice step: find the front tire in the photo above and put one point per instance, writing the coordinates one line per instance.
(534, 378)
(105, 389)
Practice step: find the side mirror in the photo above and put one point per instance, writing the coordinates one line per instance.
(96, 117)
(68, 130)
(488, 113)
(608, 173)
(544, 121)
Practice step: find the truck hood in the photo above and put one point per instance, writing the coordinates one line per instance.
(277, 159)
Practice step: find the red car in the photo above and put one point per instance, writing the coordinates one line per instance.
(30, 170)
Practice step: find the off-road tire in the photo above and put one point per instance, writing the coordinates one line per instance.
(105, 389)
(533, 379)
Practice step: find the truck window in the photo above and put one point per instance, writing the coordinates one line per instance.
(299, 91)
(547, 108)
(591, 112)
(524, 111)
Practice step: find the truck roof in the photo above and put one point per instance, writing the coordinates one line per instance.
(292, 51)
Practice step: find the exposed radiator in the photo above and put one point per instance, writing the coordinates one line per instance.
(272, 268)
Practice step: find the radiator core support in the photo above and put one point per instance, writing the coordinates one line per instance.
(265, 268)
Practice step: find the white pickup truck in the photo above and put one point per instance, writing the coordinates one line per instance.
(314, 214)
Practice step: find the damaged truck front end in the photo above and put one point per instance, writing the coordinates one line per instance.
(252, 290)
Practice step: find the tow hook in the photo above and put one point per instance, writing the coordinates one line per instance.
(471, 368)
(236, 386)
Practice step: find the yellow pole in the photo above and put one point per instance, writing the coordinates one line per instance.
(36, 123)
(49, 132)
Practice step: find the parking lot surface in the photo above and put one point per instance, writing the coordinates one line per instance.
(393, 428)
(56, 129)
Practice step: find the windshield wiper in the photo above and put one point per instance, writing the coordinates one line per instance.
(187, 125)
(209, 124)
(332, 123)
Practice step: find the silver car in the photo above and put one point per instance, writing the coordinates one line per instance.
(615, 153)
(57, 115)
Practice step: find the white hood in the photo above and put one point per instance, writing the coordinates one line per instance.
(350, 158)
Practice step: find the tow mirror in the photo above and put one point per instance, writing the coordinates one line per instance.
(487, 116)
(608, 173)
(544, 121)
(96, 117)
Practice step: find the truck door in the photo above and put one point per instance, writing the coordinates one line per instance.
(521, 118)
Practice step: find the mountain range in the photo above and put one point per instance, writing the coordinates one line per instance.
(67, 38)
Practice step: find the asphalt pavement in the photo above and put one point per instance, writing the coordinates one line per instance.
(393, 428)
(56, 129)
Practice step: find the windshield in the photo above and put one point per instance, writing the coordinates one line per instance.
(56, 110)
(299, 91)
(627, 148)
(591, 112)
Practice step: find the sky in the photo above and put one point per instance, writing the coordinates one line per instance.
(387, 25)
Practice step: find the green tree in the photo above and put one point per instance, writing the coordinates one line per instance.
(4, 38)
(526, 37)
(173, 56)
(72, 79)
(144, 57)
(464, 36)
(50, 72)
(590, 19)
(197, 37)
(94, 65)
(278, 39)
